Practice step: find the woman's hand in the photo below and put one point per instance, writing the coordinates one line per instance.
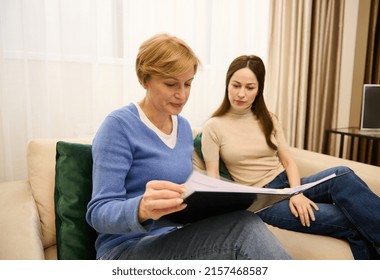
(302, 208)
(161, 198)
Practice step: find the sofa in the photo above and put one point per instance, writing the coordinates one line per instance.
(28, 214)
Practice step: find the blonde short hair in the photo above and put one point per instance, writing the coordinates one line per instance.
(165, 56)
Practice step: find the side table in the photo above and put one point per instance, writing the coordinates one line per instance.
(360, 145)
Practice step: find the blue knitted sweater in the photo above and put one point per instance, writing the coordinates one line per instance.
(126, 155)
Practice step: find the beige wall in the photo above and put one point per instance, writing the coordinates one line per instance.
(355, 33)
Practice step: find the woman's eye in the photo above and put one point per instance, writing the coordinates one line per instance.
(170, 85)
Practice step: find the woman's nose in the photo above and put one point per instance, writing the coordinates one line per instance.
(181, 92)
(241, 93)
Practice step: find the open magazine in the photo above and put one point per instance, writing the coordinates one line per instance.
(206, 196)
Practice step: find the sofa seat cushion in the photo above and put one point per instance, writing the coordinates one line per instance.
(304, 246)
(73, 189)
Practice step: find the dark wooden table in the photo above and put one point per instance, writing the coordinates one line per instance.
(364, 149)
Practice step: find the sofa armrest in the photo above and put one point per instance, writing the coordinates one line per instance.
(20, 235)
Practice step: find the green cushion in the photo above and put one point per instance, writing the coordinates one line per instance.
(223, 171)
(73, 188)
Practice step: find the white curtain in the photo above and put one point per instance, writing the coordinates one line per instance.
(65, 64)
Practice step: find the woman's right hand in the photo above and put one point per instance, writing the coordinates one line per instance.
(161, 198)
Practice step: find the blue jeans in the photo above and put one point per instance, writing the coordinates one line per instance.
(236, 235)
(348, 209)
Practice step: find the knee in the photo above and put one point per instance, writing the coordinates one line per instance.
(249, 224)
(341, 170)
(254, 239)
(345, 173)
(245, 218)
(242, 222)
(250, 238)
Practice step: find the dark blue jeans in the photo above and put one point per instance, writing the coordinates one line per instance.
(236, 235)
(348, 209)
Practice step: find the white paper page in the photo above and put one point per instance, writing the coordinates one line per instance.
(201, 182)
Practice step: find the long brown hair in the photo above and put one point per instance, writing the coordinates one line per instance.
(256, 65)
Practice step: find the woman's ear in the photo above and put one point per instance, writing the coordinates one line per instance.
(145, 82)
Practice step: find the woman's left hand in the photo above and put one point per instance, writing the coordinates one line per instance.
(302, 208)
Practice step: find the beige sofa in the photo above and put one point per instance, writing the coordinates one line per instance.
(27, 219)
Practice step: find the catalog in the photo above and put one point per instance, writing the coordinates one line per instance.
(206, 196)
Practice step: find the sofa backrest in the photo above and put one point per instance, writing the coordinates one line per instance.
(41, 172)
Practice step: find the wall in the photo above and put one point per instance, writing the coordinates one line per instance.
(355, 35)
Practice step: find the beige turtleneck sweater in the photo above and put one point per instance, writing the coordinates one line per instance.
(238, 140)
